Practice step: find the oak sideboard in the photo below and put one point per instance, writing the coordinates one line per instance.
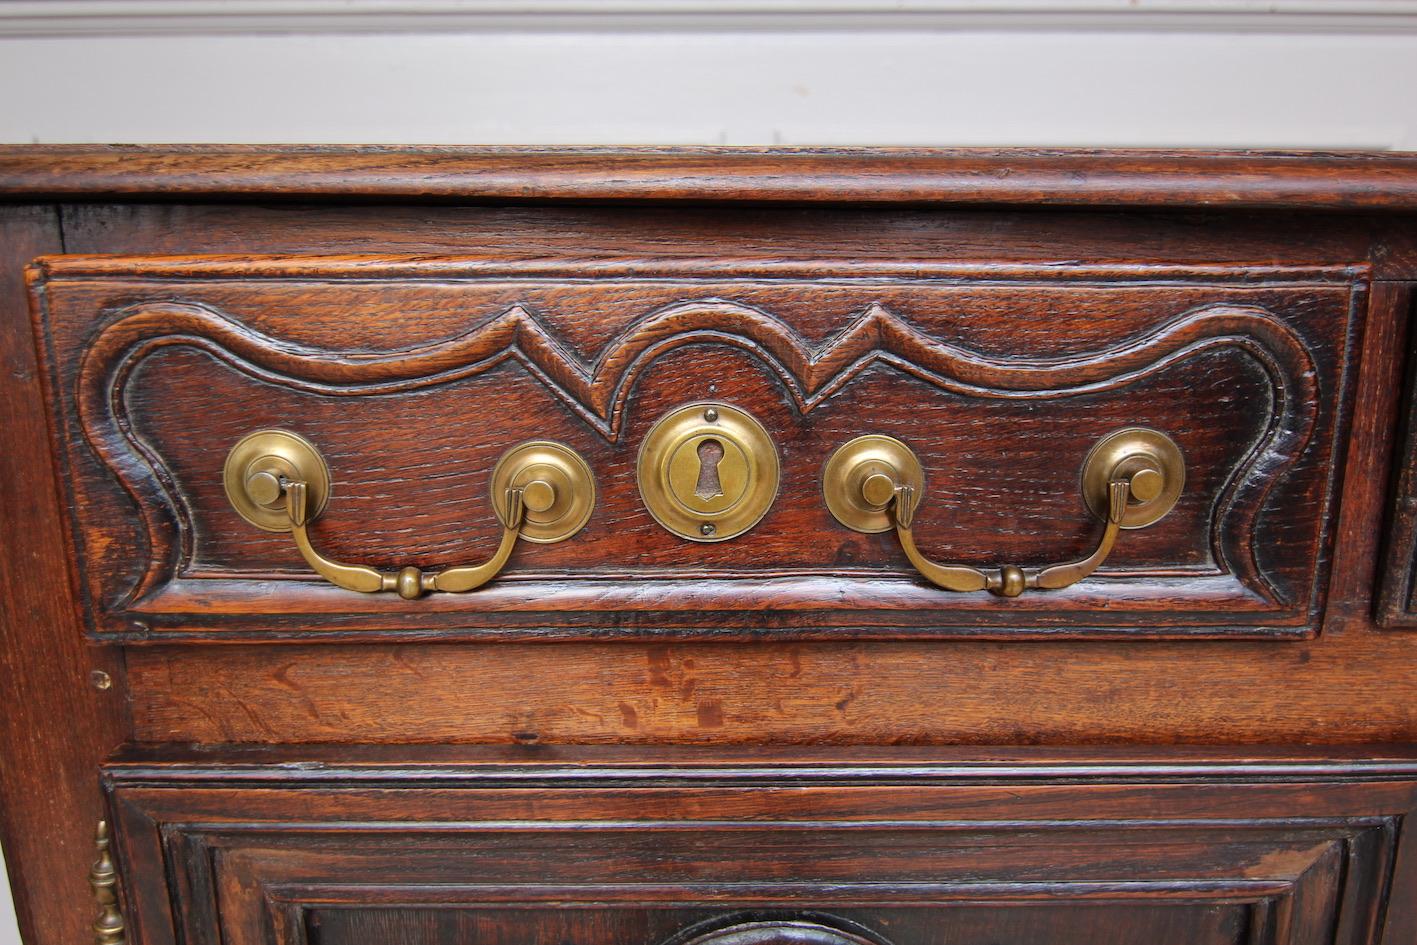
(708, 547)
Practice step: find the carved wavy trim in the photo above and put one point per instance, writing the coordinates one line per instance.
(598, 391)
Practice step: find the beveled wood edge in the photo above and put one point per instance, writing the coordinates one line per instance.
(857, 176)
(577, 765)
(62, 268)
(805, 607)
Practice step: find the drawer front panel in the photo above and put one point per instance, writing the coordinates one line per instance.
(907, 856)
(413, 377)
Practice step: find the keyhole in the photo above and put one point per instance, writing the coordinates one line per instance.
(710, 454)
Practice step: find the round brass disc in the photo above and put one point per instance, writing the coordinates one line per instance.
(1152, 457)
(845, 476)
(714, 504)
(562, 468)
(256, 458)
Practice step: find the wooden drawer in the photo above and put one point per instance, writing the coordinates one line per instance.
(903, 847)
(413, 375)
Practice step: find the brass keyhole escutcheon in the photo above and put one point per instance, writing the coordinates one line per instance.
(708, 472)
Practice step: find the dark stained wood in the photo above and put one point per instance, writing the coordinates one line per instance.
(770, 848)
(55, 726)
(1358, 567)
(880, 176)
(771, 234)
(730, 745)
(1045, 360)
(1396, 606)
(545, 764)
(1220, 238)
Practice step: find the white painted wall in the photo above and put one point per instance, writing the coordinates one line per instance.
(820, 87)
(1144, 73)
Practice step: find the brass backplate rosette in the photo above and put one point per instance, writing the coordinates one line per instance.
(569, 477)
(249, 467)
(1121, 455)
(852, 464)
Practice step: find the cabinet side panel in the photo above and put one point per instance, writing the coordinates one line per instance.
(55, 726)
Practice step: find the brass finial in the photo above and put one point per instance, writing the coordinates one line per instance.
(108, 928)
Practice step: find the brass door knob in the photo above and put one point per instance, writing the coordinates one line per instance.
(1130, 479)
(277, 480)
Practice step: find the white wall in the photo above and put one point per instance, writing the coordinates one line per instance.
(1147, 73)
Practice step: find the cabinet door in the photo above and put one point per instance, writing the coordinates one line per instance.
(910, 850)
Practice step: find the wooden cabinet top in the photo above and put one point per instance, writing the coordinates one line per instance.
(879, 176)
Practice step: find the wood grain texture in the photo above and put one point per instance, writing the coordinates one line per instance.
(1057, 356)
(1395, 604)
(1360, 561)
(876, 176)
(768, 847)
(749, 782)
(1336, 690)
(1102, 236)
(47, 771)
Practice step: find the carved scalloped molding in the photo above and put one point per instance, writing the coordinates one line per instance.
(597, 391)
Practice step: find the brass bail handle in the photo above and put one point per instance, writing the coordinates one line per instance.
(541, 492)
(1131, 478)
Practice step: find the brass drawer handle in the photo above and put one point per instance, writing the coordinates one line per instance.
(277, 480)
(1131, 478)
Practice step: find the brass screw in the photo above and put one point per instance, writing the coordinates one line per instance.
(711, 415)
(100, 679)
(707, 528)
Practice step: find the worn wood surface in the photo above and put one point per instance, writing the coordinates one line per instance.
(906, 848)
(1291, 844)
(1396, 604)
(1341, 689)
(559, 230)
(56, 726)
(880, 176)
(1000, 378)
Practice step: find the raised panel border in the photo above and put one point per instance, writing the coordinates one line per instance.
(1340, 866)
(595, 389)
